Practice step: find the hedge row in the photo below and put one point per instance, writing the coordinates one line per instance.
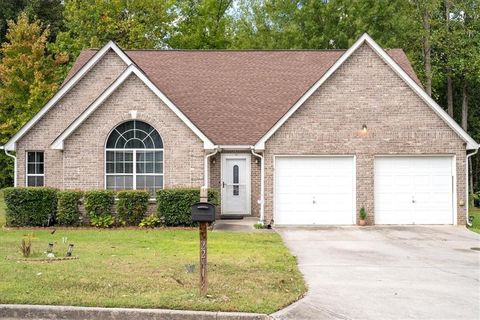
(41, 206)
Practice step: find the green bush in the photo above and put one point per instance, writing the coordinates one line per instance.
(31, 206)
(68, 213)
(174, 205)
(102, 221)
(363, 214)
(151, 221)
(132, 206)
(98, 205)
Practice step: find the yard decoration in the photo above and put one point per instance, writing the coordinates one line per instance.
(203, 212)
(363, 217)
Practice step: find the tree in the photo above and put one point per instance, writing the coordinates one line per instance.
(27, 78)
(202, 24)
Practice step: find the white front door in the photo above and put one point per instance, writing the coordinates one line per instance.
(236, 184)
(316, 190)
(414, 190)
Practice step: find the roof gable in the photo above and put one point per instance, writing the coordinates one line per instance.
(66, 87)
(412, 82)
(131, 70)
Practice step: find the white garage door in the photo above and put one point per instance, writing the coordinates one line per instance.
(413, 190)
(314, 190)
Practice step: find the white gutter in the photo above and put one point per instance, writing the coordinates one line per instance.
(205, 169)
(14, 165)
(262, 185)
(467, 182)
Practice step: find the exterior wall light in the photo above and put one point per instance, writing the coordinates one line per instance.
(364, 128)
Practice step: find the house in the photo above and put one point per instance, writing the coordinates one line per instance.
(294, 136)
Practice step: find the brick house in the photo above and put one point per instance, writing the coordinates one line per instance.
(291, 136)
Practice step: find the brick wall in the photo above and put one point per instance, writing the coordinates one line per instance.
(84, 150)
(364, 90)
(63, 113)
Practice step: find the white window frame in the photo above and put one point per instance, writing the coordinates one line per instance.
(134, 173)
(27, 175)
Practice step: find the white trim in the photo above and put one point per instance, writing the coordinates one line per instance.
(467, 193)
(262, 185)
(132, 69)
(248, 173)
(365, 38)
(206, 168)
(235, 147)
(354, 179)
(11, 144)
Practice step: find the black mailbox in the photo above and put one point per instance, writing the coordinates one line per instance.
(203, 212)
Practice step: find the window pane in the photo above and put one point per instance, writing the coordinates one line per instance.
(39, 182)
(31, 156)
(129, 182)
(31, 181)
(119, 167)
(110, 168)
(158, 155)
(112, 139)
(149, 167)
(118, 155)
(31, 169)
(110, 182)
(149, 155)
(110, 155)
(128, 155)
(39, 156)
(158, 167)
(39, 168)
(134, 144)
(156, 140)
(128, 167)
(140, 156)
(140, 167)
(140, 182)
(158, 182)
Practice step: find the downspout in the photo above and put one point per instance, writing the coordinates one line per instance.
(205, 172)
(262, 186)
(466, 181)
(14, 165)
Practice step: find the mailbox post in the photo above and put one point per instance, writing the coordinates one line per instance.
(203, 212)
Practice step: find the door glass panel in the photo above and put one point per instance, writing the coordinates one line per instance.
(236, 190)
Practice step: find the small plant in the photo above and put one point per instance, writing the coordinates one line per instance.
(259, 226)
(363, 216)
(151, 221)
(102, 221)
(26, 246)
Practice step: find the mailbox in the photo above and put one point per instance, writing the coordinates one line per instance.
(203, 212)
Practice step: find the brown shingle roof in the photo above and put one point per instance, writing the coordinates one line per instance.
(235, 97)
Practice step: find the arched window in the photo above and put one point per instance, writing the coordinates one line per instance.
(134, 158)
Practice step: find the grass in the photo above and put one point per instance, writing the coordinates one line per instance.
(475, 212)
(251, 272)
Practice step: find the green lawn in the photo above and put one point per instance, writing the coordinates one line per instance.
(475, 212)
(252, 272)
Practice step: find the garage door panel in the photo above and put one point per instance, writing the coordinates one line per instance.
(314, 190)
(413, 190)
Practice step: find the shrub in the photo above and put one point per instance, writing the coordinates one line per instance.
(174, 205)
(105, 221)
(98, 205)
(68, 213)
(30, 206)
(151, 221)
(132, 206)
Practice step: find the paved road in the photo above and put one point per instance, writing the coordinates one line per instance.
(402, 272)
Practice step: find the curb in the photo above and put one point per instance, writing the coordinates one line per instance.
(19, 311)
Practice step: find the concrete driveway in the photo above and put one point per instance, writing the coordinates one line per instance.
(386, 273)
